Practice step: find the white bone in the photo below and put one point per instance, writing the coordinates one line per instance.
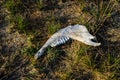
(76, 32)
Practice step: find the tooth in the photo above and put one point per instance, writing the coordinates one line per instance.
(66, 38)
(58, 42)
(63, 40)
(53, 44)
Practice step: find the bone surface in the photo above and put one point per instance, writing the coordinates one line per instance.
(76, 32)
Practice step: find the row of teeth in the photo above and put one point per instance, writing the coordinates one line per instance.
(60, 41)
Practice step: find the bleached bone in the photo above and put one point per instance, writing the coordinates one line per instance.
(76, 32)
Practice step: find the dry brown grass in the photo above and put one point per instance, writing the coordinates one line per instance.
(34, 22)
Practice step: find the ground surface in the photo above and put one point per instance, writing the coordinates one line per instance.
(13, 62)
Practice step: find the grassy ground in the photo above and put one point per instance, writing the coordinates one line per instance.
(25, 25)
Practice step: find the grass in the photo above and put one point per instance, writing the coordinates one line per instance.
(14, 6)
(22, 23)
(53, 27)
(39, 3)
(73, 60)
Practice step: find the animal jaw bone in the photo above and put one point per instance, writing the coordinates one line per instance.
(76, 32)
